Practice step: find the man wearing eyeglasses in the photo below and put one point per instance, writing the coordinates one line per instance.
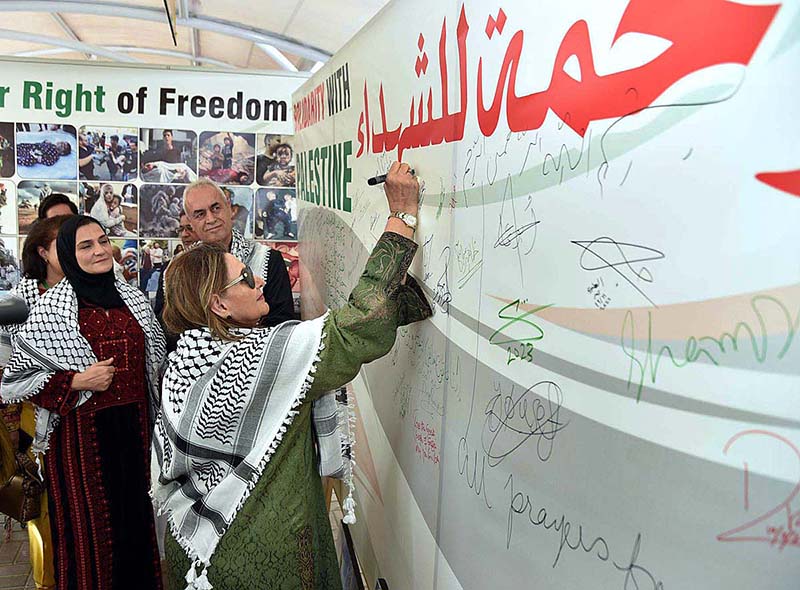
(188, 238)
(211, 217)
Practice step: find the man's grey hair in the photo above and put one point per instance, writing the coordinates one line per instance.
(201, 183)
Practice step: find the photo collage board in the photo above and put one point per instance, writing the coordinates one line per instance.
(132, 180)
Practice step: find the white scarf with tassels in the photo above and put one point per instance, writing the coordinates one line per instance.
(50, 341)
(225, 407)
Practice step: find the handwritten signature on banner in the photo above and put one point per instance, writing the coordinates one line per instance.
(772, 316)
(510, 420)
(634, 575)
(702, 33)
(605, 252)
(779, 527)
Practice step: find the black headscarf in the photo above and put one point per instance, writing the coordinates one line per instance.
(95, 289)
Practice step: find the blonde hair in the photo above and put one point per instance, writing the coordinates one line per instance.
(201, 183)
(191, 280)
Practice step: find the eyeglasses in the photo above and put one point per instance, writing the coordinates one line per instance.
(246, 276)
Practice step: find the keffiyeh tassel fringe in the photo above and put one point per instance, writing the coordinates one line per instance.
(195, 582)
(348, 412)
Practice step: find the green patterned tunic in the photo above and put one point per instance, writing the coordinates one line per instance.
(281, 539)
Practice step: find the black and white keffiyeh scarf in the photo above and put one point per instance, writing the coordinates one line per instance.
(225, 409)
(251, 253)
(333, 416)
(50, 341)
(28, 290)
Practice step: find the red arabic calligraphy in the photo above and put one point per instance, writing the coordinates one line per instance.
(788, 182)
(780, 534)
(433, 131)
(702, 33)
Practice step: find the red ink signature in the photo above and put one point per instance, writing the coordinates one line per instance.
(782, 535)
(702, 33)
(425, 442)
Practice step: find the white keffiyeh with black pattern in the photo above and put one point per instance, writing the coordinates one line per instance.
(28, 290)
(225, 409)
(51, 341)
(251, 253)
(333, 414)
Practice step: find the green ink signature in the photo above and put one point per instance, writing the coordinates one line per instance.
(518, 319)
(706, 346)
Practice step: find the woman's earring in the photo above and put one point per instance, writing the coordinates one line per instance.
(229, 316)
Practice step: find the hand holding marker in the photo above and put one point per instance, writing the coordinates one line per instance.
(382, 178)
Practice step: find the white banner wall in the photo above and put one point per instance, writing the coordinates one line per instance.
(607, 395)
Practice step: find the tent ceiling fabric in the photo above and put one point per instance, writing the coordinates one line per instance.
(215, 33)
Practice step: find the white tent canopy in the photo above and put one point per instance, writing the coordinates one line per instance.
(293, 35)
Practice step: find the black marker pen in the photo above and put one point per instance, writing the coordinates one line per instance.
(381, 178)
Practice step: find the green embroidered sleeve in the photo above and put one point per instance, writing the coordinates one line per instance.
(365, 328)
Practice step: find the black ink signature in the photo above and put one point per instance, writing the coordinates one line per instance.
(510, 233)
(476, 481)
(636, 576)
(535, 141)
(602, 170)
(617, 259)
(426, 258)
(442, 296)
(633, 569)
(510, 421)
(558, 165)
(521, 504)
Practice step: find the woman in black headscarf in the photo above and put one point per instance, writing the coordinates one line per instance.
(89, 358)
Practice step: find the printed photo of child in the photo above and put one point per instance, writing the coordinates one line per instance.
(114, 205)
(8, 208)
(160, 208)
(127, 257)
(168, 155)
(276, 214)
(151, 264)
(155, 255)
(47, 151)
(275, 161)
(6, 150)
(30, 194)
(227, 158)
(106, 153)
(9, 265)
(241, 200)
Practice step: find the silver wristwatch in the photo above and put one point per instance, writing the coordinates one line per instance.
(407, 218)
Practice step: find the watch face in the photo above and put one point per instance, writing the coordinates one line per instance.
(409, 220)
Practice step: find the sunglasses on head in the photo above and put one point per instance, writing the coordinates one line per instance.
(246, 276)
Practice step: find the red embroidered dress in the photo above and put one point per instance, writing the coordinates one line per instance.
(98, 466)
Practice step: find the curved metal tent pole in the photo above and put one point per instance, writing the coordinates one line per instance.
(194, 41)
(215, 25)
(69, 44)
(133, 49)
